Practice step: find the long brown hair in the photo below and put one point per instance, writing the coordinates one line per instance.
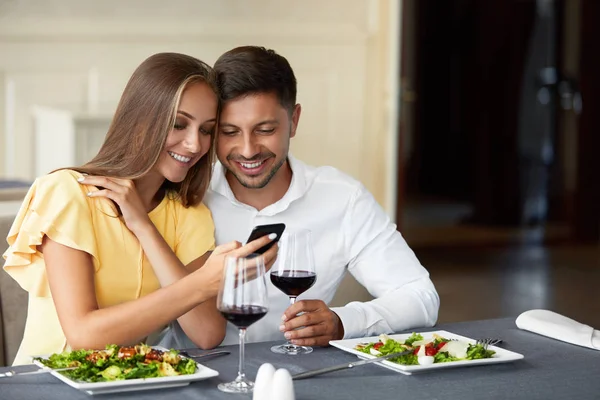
(144, 117)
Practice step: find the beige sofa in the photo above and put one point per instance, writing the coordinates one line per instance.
(13, 299)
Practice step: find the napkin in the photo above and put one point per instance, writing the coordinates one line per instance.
(271, 384)
(556, 326)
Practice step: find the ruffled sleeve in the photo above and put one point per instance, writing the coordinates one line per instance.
(195, 233)
(57, 206)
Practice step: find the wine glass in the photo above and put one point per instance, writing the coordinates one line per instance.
(242, 300)
(293, 274)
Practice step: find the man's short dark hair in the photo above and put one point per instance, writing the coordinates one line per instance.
(249, 70)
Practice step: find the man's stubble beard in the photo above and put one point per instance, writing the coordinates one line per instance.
(271, 174)
(265, 181)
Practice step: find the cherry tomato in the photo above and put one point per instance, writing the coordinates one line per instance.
(430, 349)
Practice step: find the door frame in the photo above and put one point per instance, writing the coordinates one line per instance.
(586, 213)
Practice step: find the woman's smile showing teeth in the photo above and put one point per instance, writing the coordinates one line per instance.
(179, 157)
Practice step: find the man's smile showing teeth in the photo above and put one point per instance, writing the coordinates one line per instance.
(251, 165)
(253, 168)
(179, 157)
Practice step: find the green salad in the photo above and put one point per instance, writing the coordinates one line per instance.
(426, 351)
(118, 363)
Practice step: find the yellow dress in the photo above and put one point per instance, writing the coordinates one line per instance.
(57, 205)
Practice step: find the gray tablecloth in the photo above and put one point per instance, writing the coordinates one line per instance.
(550, 370)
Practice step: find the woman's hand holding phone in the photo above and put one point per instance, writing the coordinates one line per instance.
(265, 230)
(211, 272)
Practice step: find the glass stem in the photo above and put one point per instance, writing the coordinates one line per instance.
(290, 344)
(241, 374)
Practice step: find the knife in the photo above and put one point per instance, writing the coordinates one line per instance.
(340, 367)
(37, 371)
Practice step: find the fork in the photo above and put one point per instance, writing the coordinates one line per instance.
(488, 342)
(208, 354)
(485, 342)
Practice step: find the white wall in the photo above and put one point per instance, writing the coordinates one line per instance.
(341, 50)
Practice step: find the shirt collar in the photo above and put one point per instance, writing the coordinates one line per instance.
(297, 189)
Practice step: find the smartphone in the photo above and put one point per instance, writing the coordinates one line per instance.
(264, 230)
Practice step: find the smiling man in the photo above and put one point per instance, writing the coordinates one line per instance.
(253, 144)
(258, 182)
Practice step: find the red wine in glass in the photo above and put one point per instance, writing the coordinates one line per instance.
(293, 283)
(294, 273)
(244, 316)
(242, 300)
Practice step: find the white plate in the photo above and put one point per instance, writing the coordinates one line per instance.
(129, 385)
(501, 356)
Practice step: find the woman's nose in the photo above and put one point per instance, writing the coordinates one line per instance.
(192, 143)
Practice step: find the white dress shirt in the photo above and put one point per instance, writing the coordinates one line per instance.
(350, 232)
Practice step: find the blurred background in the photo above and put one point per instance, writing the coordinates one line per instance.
(471, 121)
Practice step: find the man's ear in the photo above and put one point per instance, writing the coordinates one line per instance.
(295, 119)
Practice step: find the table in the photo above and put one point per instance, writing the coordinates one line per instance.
(550, 370)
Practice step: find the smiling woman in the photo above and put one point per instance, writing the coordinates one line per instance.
(191, 136)
(114, 250)
(169, 104)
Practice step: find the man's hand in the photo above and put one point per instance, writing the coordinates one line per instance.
(319, 324)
